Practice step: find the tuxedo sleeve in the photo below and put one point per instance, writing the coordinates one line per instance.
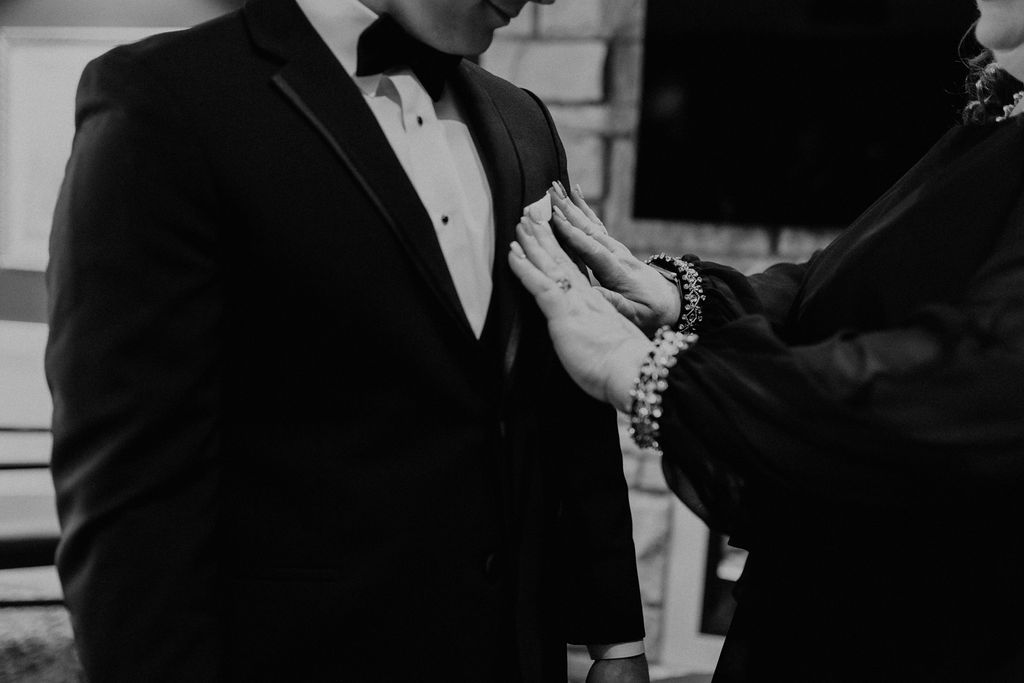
(921, 415)
(601, 588)
(133, 364)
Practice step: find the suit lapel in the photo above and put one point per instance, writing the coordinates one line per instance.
(503, 165)
(323, 93)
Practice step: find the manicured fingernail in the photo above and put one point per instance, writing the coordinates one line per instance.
(559, 189)
(518, 250)
(558, 212)
(526, 227)
(578, 190)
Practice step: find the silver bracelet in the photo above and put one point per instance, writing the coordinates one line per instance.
(645, 407)
(691, 290)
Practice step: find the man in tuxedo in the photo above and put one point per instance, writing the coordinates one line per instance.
(306, 425)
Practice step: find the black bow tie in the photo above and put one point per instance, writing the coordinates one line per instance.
(386, 45)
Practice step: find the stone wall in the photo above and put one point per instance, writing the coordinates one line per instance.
(584, 58)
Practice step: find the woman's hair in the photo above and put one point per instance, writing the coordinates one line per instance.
(989, 89)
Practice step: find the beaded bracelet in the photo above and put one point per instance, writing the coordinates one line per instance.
(645, 408)
(691, 291)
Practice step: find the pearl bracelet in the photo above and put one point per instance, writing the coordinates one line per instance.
(645, 407)
(691, 292)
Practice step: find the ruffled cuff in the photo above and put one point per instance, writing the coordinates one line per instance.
(727, 294)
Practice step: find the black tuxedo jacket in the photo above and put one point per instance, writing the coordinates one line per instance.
(279, 451)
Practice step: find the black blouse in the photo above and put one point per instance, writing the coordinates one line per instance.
(857, 422)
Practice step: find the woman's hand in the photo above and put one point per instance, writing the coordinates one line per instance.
(635, 289)
(599, 348)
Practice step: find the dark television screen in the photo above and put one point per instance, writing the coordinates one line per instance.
(792, 112)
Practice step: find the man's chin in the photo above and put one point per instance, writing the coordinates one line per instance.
(465, 41)
(470, 43)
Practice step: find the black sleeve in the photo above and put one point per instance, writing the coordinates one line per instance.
(133, 363)
(715, 493)
(929, 413)
(730, 295)
(601, 589)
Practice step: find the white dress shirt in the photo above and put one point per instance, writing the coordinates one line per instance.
(435, 148)
(437, 152)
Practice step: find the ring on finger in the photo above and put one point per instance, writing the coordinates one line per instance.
(564, 284)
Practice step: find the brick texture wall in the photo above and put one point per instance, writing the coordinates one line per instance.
(584, 58)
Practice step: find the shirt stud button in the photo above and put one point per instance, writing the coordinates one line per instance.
(419, 120)
(444, 220)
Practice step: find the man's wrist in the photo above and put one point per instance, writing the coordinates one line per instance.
(616, 650)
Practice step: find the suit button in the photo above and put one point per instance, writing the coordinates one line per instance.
(492, 567)
(502, 429)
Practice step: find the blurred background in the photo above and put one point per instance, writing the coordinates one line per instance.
(747, 132)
